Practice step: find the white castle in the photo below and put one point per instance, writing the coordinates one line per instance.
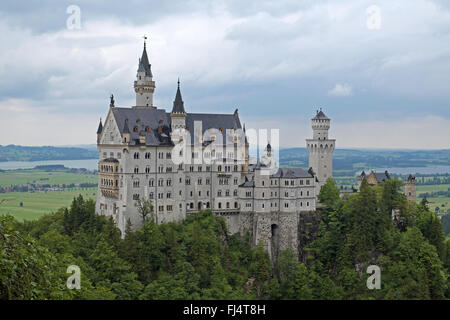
(137, 147)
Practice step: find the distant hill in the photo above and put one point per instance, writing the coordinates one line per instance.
(22, 153)
(353, 159)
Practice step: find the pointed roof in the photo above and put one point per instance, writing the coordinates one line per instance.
(100, 127)
(178, 104)
(125, 127)
(320, 115)
(144, 64)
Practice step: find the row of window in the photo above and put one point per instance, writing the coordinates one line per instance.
(275, 205)
(109, 168)
(109, 183)
(227, 193)
(111, 155)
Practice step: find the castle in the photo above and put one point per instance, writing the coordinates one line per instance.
(185, 162)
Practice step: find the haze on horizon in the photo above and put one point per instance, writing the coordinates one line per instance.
(384, 83)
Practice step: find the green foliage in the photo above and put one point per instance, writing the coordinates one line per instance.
(27, 270)
(198, 259)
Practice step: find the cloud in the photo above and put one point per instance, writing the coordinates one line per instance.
(341, 90)
(271, 59)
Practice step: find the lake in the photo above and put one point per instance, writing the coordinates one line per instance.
(90, 164)
(415, 170)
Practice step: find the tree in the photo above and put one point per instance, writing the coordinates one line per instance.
(145, 208)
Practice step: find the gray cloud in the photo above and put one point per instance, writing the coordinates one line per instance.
(268, 58)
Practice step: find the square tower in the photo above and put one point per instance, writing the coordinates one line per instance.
(320, 148)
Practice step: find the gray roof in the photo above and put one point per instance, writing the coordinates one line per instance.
(100, 127)
(248, 183)
(178, 104)
(143, 118)
(216, 121)
(291, 173)
(320, 116)
(144, 64)
(382, 176)
(159, 118)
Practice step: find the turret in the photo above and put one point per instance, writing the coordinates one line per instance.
(99, 130)
(144, 86)
(178, 114)
(126, 133)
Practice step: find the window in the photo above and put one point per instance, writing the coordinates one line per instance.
(147, 169)
(135, 196)
(220, 205)
(136, 184)
(136, 170)
(136, 155)
(151, 182)
(135, 129)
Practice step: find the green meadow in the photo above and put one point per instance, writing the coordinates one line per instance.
(23, 177)
(37, 204)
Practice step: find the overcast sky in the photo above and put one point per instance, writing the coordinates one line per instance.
(379, 69)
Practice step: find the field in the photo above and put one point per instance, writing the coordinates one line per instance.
(441, 201)
(23, 177)
(38, 204)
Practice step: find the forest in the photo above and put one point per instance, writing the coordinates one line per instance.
(198, 259)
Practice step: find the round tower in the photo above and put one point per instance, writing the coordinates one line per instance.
(144, 86)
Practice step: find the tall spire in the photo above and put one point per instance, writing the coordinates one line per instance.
(178, 104)
(125, 127)
(144, 64)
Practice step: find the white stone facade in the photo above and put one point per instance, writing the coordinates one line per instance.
(135, 161)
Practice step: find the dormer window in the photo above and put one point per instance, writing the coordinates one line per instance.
(135, 129)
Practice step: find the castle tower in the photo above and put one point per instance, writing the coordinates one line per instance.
(320, 148)
(178, 116)
(144, 86)
(267, 158)
(410, 188)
